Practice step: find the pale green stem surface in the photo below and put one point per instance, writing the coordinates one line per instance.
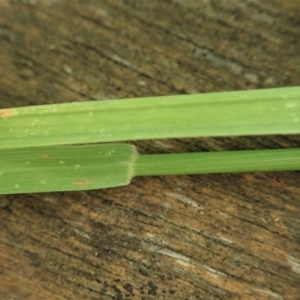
(254, 112)
(86, 167)
(218, 162)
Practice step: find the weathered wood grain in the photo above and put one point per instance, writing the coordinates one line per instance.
(185, 237)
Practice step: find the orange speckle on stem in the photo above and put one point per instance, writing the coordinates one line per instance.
(46, 155)
(82, 182)
(4, 113)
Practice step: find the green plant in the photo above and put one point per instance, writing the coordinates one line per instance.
(40, 151)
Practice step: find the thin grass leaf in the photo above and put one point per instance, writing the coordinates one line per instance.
(255, 112)
(86, 167)
(65, 168)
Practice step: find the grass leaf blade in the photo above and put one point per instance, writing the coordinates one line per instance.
(254, 112)
(87, 167)
(65, 168)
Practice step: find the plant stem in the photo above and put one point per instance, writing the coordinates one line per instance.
(86, 167)
(217, 162)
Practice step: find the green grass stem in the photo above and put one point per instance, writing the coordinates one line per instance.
(218, 162)
(87, 167)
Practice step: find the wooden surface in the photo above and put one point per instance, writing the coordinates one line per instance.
(185, 237)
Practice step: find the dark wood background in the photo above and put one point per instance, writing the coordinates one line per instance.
(186, 237)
